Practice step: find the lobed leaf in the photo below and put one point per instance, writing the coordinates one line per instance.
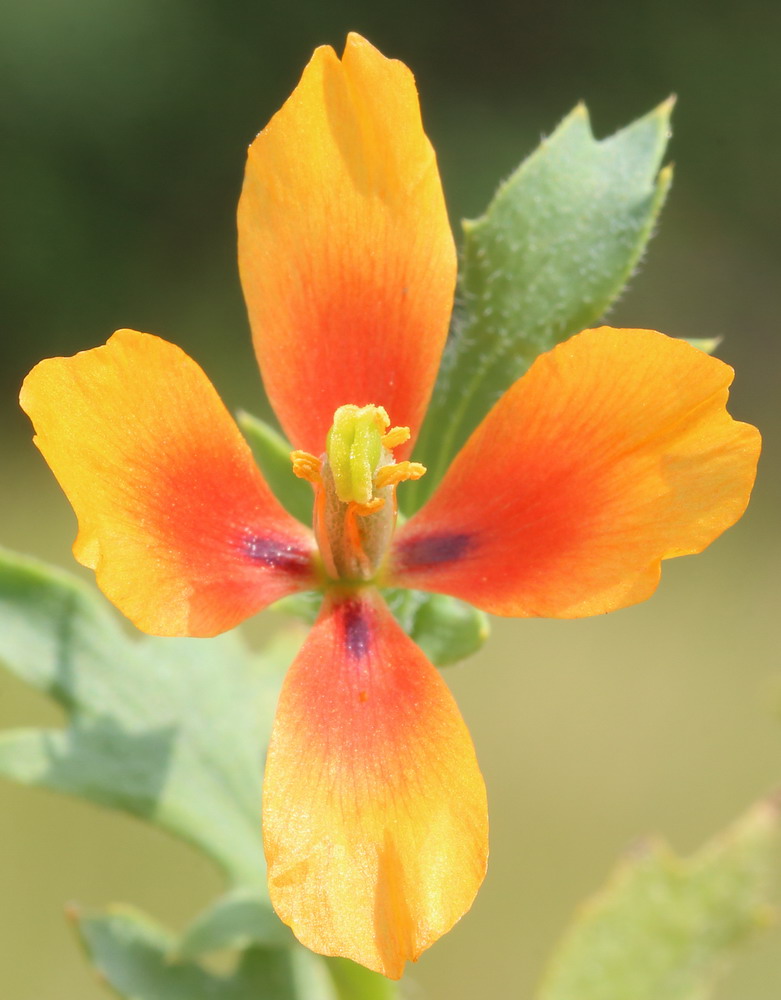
(171, 730)
(666, 927)
(552, 252)
(135, 956)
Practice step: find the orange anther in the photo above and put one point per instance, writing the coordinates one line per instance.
(395, 437)
(364, 509)
(390, 475)
(306, 466)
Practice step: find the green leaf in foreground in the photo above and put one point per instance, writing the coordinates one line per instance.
(446, 629)
(552, 252)
(133, 954)
(240, 921)
(236, 920)
(141, 960)
(665, 927)
(171, 730)
(353, 982)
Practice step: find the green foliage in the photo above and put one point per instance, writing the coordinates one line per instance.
(353, 982)
(272, 453)
(170, 730)
(706, 344)
(241, 921)
(665, 927)
(446, 629)
(240, 918)
(552, 252)
(135, 956)
(173, 731)
(141, 960)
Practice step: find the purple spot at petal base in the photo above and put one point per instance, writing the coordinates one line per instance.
(275, 553)
(431, 550)
(357, 629)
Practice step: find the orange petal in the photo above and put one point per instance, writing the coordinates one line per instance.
(174, 517)
(345, 251)
(613, 452)
(374, 809)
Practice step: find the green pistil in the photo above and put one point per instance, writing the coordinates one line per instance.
(354, 449)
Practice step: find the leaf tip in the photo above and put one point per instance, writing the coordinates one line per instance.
(579, 114)
(706, 344)
(667, 106)
(665, 178)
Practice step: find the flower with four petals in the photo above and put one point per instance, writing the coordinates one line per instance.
(613, 452)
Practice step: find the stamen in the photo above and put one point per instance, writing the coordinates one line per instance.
(354, 511)
(306, 466)
(395, 437)
(364, 509)
(355, 489)
(400, 472)
(381, 418)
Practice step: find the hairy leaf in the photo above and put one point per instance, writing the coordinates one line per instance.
(665, 927)
(170, 730)
(552, 252)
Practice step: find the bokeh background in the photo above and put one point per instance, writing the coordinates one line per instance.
(124, 126)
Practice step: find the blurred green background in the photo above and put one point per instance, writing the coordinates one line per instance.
(124, 125)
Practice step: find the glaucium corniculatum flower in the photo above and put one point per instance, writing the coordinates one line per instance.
(613, 452)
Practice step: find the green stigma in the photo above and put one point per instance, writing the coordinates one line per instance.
(354, 447)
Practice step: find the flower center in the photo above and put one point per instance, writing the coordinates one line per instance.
(355, 490)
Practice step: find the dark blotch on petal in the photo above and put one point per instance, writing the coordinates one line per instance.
(431, 550)
(278, 554)
(357, 629)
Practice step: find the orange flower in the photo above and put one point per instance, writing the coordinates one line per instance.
(613, 452)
